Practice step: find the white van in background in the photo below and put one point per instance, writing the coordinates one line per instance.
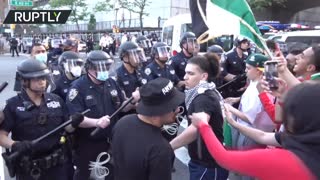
(176, 26)
(173, 29)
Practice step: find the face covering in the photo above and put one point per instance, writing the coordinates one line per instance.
(76, 71)
(42, 57)
(102, 75)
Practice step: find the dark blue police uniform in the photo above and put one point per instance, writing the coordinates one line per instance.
(102, 100)
(62, 86)
(27, 121)
(153, 71)
(130, 81)
(179, 63)
(235, 65)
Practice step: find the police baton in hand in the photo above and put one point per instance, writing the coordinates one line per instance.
(232, 81)
(3, 85)
(98, 129)
(10, 159)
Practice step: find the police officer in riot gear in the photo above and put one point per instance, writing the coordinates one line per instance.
(129, 74)
(144, 43)
(53, 58)
(100, 93)
(70, 64)
(159, 67)
(218, 50)
(188, 45)
(234, 68)
(31, 114)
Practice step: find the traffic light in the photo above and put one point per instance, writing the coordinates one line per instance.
(12, 26)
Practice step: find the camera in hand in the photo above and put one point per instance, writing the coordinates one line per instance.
(270, 70)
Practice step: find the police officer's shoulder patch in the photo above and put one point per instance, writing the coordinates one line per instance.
(144, 81)
(114, 93)
(147, 71)
(172, 71)
(72, 94)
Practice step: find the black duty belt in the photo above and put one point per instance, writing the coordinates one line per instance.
(35, 166)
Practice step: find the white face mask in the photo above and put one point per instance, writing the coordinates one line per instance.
(42, 57)
(76, 71)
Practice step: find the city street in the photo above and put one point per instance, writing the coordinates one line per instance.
(8, 66)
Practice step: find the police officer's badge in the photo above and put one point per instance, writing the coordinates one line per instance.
(72, 94)
(183, 63)
(172, 71)
(147, 71)
(114, 93)
(144, 81)
(55, 72)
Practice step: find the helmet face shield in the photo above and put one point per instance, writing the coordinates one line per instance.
(143, 44)
(136, 56)
(102, 66)
(163, 52)
(192, 44)
(74, 66)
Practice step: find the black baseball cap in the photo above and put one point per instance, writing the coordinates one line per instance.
(159, 97)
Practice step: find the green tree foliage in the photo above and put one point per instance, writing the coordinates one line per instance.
(92, 22)
(79, 10)
(103, 6)
(136, 6)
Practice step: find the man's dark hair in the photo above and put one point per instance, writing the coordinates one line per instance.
(36, 45)
(315, 59)
(208, 63)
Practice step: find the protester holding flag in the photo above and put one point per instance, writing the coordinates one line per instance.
(299, 158)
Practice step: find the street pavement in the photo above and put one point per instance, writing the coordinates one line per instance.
(8, 67)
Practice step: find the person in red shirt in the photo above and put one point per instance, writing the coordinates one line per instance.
(300, 156)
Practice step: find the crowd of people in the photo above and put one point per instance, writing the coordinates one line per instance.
(240, 121)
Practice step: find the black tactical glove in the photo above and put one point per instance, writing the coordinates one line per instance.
(21, 146)
(77, 118)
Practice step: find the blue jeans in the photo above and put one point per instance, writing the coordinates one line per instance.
(199, 172)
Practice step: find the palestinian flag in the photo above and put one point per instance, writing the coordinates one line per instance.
(230, 17)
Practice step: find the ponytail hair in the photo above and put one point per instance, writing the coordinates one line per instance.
(209, 63)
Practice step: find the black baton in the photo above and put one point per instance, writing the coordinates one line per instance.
(98, 129)
(35, 141)
(3, 85)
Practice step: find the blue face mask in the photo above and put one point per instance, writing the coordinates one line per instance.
(102, 75)
(42, 57)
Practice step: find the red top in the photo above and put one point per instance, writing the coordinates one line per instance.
(269, 107)
(264, 164)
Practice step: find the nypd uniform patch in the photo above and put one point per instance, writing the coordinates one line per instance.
(72, 94)
(147, 71)
(114, 93)
(172, 72)
(144, 81)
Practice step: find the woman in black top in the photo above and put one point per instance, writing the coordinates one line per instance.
(202, 96)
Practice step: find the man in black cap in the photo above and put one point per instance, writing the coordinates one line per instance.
(140, 151)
